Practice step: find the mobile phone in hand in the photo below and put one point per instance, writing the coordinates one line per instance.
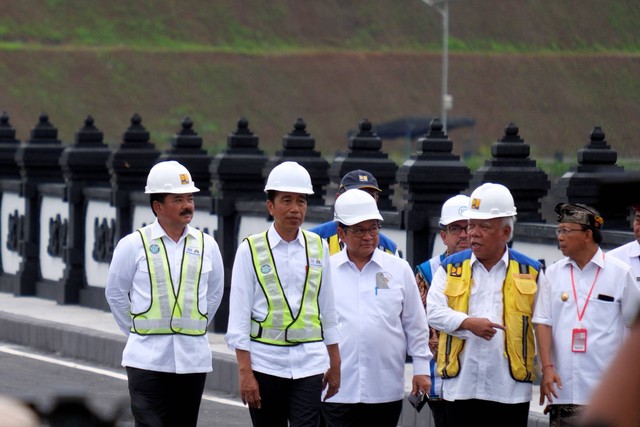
(418, 400)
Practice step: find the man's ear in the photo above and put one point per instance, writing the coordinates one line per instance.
(443, 235)
(157, 207)
(269, 206)
(341, 233)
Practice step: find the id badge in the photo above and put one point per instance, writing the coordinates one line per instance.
(579, 340)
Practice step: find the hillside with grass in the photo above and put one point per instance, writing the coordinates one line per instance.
(554, 68)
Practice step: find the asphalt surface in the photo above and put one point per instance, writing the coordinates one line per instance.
(92, 335)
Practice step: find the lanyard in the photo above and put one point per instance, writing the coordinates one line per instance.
(575, 296)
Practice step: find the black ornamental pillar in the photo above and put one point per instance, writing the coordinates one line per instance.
(299, 146)
(238, 174)
(599, 182)
(84, 164)
(129, 166)
(429, 177)
(186, 149)
(38, 160)
(511, 166)
(365, 153)
(13, 217)
(8, 147)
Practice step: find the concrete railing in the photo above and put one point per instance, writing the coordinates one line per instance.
(64, 207)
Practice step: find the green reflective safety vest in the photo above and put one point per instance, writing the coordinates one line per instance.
(280, 327)
(518, 292)
(169, 313)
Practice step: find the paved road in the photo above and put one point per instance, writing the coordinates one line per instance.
(40, 378)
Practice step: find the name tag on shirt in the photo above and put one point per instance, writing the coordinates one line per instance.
(315, 262)
(192, 251)
(579, 340)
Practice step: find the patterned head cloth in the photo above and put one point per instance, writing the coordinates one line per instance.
(579, 214)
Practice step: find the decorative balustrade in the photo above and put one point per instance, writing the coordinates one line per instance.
(63, 208)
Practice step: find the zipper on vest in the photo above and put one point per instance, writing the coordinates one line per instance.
(525, 329)
(447, 357)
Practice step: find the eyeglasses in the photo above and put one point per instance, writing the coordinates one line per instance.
(565, 231)
(360, 232)
(456, 229)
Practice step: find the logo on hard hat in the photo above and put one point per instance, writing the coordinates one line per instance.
(475, 203)
(184, 179)
(461, 209)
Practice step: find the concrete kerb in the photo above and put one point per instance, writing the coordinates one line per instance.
(46, 326)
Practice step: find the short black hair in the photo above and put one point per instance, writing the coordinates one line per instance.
(597, 234)
(271, 195)
(156, 197)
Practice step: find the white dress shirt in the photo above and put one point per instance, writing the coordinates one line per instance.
(484, 367)
(128, 290)
(382, 319)
(604, 320)
(247, 300)
(629, 253)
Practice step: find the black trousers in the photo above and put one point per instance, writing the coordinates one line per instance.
(362, 414)
(475, 412)
(438, 413)
(287, 402)
(162, 399)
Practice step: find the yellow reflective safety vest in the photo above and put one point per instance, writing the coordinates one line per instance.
(518, 292)
(280, 327)
(169, 313)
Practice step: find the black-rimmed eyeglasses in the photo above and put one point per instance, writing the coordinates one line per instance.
(360, 232)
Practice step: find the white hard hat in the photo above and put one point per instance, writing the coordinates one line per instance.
(490, 201)
(452, 209)
(354, 206)
(289, 177)
(169, 177)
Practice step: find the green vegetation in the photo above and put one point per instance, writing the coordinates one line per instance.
(554, 68)
(258, 27)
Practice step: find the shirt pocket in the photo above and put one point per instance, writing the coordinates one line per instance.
(525, 295)
(389, 303)
(455, 290)
(603, 316)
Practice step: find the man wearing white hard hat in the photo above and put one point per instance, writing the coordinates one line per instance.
(365, 181)
(481, 300)
(164, 286)
(382, 320)
(453, 232)
(282, 320)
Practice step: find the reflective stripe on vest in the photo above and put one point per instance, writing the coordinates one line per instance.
(168, 313)
(279, 326)
(518, 292)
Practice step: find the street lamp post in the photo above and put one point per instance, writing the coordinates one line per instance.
(442, 6)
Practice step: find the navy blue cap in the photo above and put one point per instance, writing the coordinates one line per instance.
(358, 179)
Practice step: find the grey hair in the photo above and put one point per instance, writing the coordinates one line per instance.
(511, 222)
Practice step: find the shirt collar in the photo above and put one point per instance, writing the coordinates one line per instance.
(504, 260)
(342, 257)
(598, 259)
(158, 232)
(275, 239)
